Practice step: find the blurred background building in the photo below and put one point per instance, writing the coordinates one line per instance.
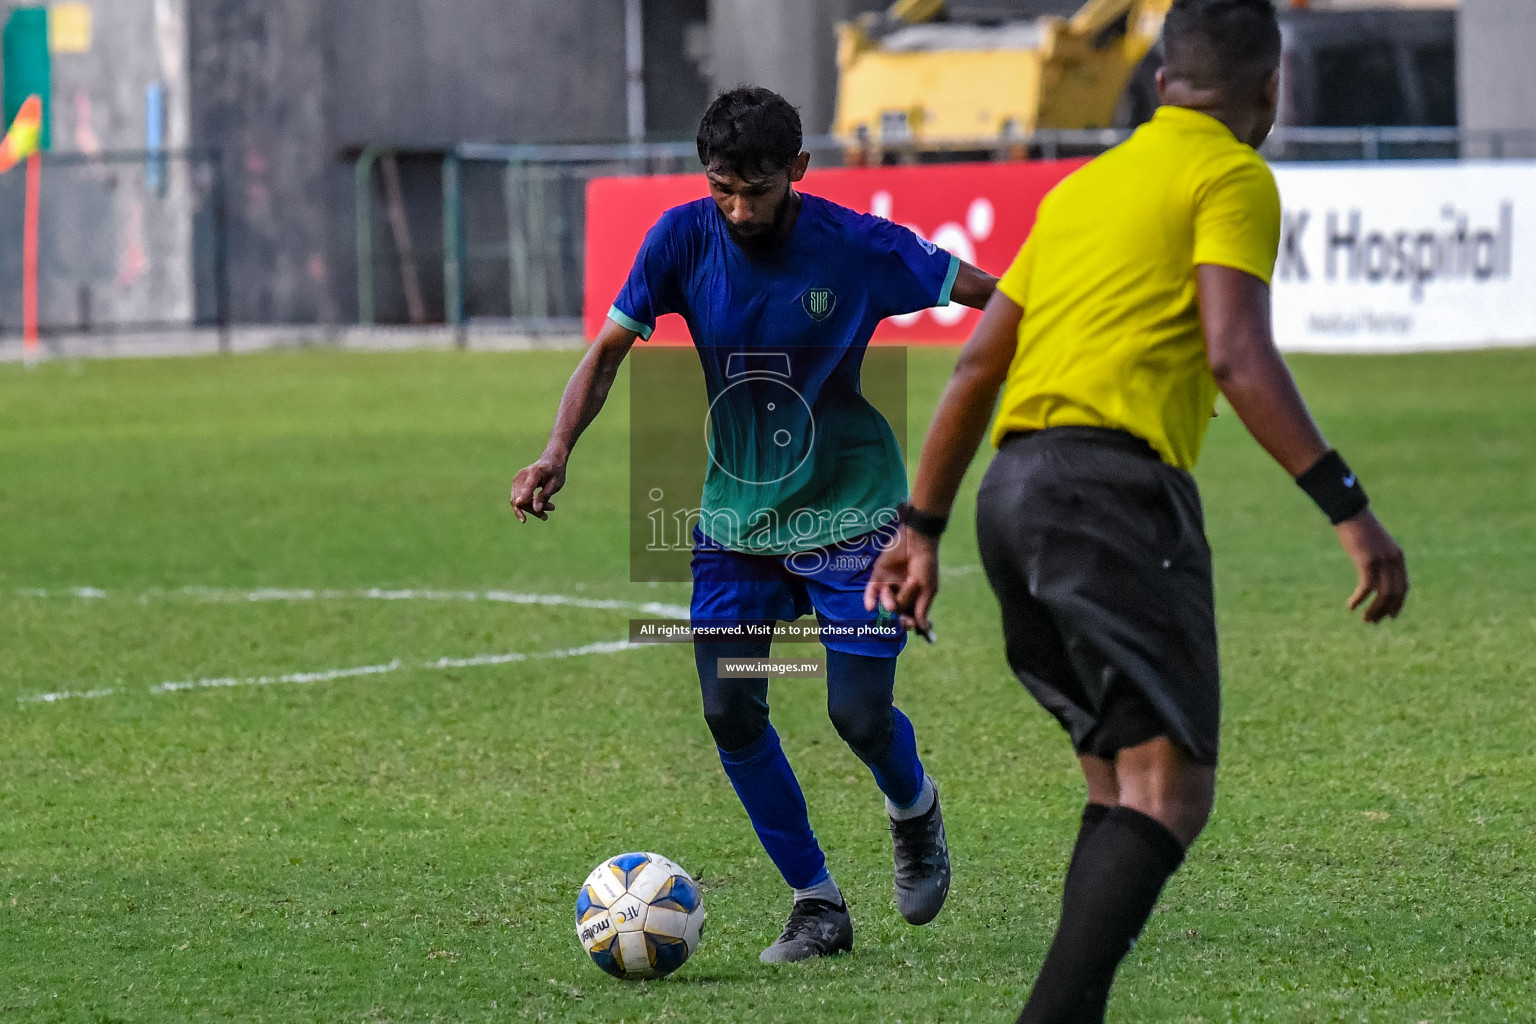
(196, 142)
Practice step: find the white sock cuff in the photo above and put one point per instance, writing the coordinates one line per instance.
(921, 806)
(827, 890)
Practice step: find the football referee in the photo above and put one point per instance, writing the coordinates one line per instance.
(1142, 291)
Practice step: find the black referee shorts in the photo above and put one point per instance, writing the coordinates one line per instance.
(1096, 550)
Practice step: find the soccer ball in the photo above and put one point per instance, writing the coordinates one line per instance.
(639, 916)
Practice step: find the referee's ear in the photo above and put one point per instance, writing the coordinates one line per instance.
(798, 166)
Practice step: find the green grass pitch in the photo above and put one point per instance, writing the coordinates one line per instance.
(405, 845)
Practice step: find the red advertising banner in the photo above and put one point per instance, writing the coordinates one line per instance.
(980, 212)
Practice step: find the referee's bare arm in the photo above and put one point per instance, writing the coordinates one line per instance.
(584, 396)
(906, 576)
(1235, 314)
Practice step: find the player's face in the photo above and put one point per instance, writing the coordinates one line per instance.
(752, 207)
(756, 207)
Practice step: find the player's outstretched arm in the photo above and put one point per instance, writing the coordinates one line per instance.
(584, 396)
(905, 579)
(1234, 310)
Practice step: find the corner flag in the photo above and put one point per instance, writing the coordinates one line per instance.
(21, 141)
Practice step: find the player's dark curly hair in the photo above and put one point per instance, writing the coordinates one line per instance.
(1219, 44)
(750, 131)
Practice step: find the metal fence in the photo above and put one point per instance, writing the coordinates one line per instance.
(513, 218)
(127, 241)
(506, 240)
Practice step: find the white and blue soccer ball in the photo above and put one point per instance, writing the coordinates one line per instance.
(639, 916)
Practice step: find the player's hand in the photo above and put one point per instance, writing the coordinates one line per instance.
(905, 579)
(534, 486)
(1379, 561)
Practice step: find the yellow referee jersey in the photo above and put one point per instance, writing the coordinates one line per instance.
(1111, 333)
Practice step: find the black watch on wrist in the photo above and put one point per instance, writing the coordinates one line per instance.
(926, 523)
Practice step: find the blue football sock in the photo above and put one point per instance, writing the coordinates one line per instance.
(899, 772)
(771, 794)
(859, 690)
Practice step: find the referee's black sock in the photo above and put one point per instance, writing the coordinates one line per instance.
(1093, 814)
(1117, 872)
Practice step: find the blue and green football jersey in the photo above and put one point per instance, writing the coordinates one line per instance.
(799, 459)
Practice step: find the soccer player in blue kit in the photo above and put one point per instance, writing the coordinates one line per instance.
(767, 276)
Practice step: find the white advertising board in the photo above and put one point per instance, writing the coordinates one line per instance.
(1406, 256)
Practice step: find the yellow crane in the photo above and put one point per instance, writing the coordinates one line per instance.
(908, 81)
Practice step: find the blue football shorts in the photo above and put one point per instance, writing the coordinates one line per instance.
(735, 587)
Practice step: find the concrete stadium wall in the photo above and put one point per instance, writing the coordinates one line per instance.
(284, 87)
(787, 45)
(1497, 40)
(260, 95)
(114, 247)
(99, 97)
(677, 85)
(441, 71)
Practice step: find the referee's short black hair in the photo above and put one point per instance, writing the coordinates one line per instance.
(1221, 44)
(750, 131)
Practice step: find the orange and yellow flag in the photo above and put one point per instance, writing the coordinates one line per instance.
(21, 141)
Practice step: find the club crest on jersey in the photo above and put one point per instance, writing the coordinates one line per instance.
(819, 303)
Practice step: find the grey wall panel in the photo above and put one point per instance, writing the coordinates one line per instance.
(789, 46)
(437, 71)
(284, 86)
(260, 91)
(676, 87)
(1497, 41)
(117, 238)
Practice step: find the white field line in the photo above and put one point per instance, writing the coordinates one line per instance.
(292, 677)
(272, 594)
(299, 594)
(326, 675)
(54, 698)
(219, 594)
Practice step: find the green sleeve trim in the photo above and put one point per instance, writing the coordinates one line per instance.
(949, 280)
(629, 323)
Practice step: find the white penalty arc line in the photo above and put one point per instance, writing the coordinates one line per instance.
(272, 594)
(477, 661)
(222, 595)
(491, 596)
(297, 594)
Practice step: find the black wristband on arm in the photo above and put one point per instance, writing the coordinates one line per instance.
(925, 523)
(1333, 485)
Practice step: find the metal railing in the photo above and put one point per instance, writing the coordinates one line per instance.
(513, 217)
(1386, 143)
(128, 241)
